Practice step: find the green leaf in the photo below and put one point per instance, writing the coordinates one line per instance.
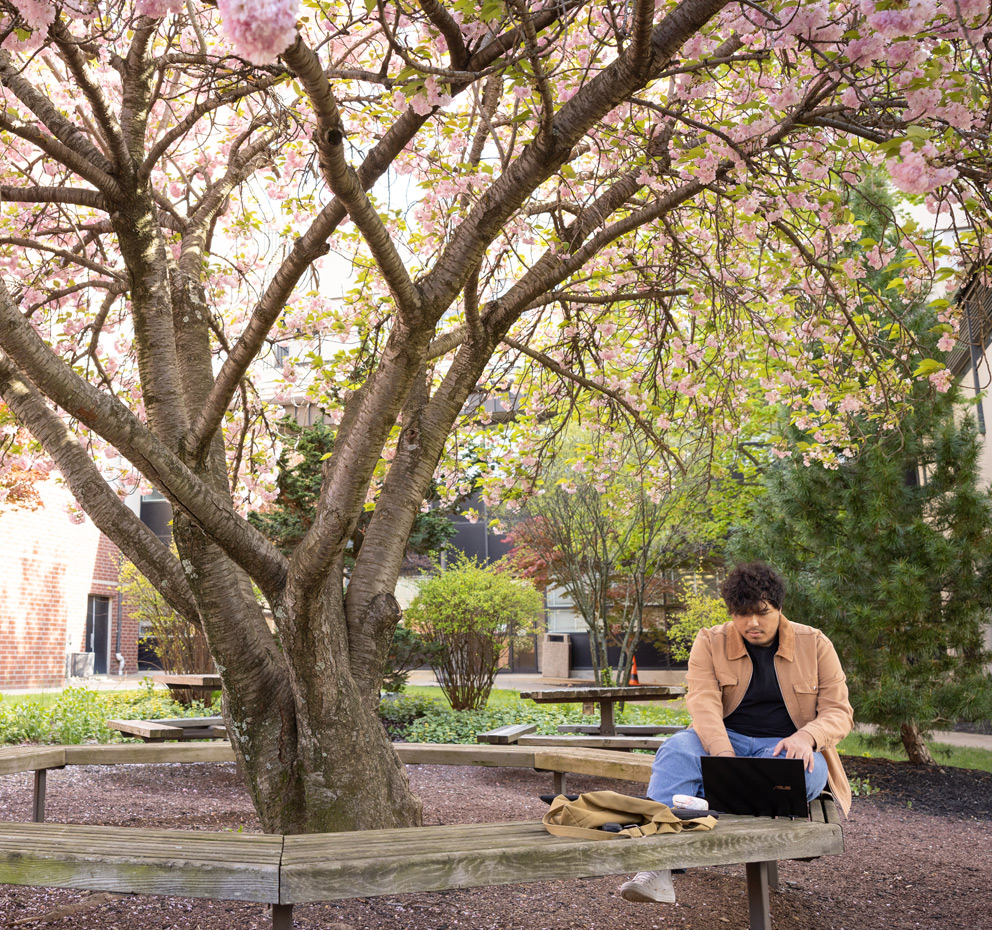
(928, 366)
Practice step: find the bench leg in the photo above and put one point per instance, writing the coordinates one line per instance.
(40, 780)
(757, 895)
(282, 917)
(559, 782)
(773, 876)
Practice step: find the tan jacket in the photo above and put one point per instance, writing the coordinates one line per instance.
(813, 687)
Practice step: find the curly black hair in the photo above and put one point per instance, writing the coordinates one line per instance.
(749, 584)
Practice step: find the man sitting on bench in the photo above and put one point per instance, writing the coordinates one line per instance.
(757, 686)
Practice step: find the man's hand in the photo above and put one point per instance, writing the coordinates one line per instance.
(797, 746)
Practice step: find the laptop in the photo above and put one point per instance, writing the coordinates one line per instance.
(759, 787)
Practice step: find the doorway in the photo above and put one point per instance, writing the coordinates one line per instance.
(98, 632)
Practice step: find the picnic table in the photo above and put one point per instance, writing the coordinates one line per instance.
(181, 728)
(606, 698)
(205, 684)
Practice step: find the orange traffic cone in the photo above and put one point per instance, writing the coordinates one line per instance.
(633, 673)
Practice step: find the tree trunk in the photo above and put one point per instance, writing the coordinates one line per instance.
(305, 729)
(916, 746)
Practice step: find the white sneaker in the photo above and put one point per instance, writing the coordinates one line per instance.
(649, 886)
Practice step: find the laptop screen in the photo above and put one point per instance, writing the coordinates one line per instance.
(760, 787)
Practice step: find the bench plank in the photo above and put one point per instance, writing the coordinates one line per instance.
(624, 729)
(223, 866)
(14, 759)
(594, 742)
(507, 734)
(464, 754)
(605, 763)
(146, 729)
(148, 753)
(323, 867)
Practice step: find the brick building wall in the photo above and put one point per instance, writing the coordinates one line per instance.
(50, 564)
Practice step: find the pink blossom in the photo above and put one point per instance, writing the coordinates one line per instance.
(38, 14)
(260, 29)
(941, 380)
(157, 8)
(913, 175)
(969, 9)
(946, 342)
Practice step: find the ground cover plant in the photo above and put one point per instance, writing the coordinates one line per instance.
(79, 715)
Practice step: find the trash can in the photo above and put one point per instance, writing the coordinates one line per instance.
(556, 656)
(80, 664)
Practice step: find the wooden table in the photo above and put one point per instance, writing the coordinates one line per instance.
(183, 728)
(606, 698)
(205, 684)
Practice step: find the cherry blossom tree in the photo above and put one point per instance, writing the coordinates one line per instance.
(629, 211)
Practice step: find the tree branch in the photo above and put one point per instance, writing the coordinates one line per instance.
(87, 82)
(69, 136)
(344, 181)
(136, 76)
(64, 155)
(538, 162)
(640, 46)
(312, 244)
(441, 18)
(206, 211)
(547, 113)
(191, 118)
(74, 196)
(547, 362)
(65, 254)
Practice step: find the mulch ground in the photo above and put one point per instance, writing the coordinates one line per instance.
(919, 855)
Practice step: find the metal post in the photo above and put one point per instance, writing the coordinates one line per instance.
(40, 778)
(282, 917)
(757, 895)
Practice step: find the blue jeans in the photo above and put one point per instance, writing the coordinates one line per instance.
(676, 768)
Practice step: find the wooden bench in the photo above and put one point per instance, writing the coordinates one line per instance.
(592, 741)
(182, 728)
(506, 734)
(283, 871)
(559, 762)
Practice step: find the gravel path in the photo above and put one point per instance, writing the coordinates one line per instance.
(919, 855)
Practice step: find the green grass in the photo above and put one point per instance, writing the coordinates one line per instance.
(961, 757)
(44, 699)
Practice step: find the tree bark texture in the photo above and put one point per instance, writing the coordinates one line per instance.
(915, 745)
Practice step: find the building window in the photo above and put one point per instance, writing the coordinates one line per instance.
(562, 615)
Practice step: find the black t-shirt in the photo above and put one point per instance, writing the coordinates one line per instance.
(762, 711)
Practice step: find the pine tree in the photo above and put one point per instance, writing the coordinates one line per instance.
(891, 556)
